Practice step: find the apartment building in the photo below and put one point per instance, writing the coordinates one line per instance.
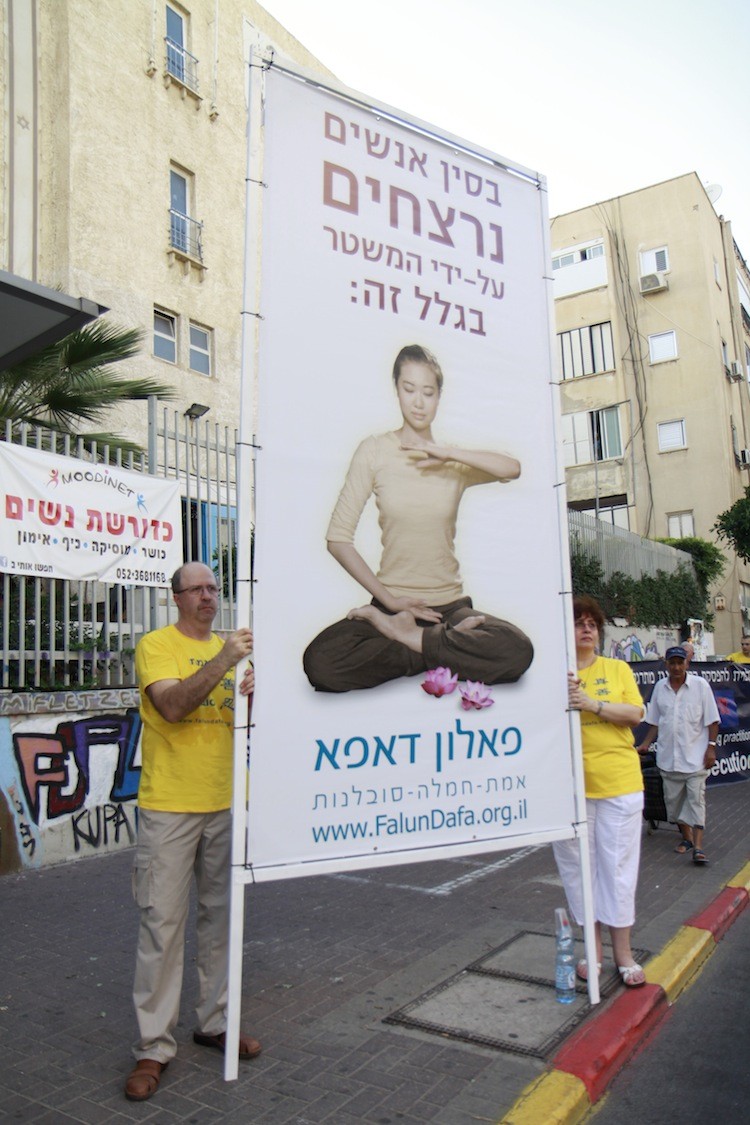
(122, 176)
(652, 311)
(122, 180)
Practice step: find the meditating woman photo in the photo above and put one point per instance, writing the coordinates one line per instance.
(419, 617)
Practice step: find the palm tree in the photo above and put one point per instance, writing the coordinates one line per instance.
(70, 384)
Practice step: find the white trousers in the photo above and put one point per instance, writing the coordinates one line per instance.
(172, 847)
(614, 825)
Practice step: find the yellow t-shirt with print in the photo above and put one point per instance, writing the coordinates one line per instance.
(185, 766)
(610, 761)
(738, 658)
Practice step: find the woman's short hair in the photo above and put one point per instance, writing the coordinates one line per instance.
(585, 606)
(415, 353)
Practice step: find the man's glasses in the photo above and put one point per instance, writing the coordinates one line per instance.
(212, 591)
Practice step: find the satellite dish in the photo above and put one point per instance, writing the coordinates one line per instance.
(713, 191)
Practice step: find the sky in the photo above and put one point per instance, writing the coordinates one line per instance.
(601, 98)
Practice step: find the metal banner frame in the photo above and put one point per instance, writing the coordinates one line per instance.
(243, 870)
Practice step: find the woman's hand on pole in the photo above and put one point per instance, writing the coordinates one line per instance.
(577, 698)
(621, 714)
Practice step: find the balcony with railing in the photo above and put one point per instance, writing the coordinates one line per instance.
(185, 237)
(180, 66)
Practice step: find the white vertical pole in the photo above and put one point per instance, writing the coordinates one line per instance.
(574, 724)
(589, 934)
(245, 520)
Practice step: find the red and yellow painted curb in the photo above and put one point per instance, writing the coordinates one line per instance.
(718, 917)
(598, 1050)
(555, 1098)
(584, 1067)
(741, 879)
(680, 961)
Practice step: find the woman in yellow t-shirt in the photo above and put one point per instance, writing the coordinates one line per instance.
(607, 696)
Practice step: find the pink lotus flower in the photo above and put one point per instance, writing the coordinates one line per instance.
(476, 696)
(439, 681)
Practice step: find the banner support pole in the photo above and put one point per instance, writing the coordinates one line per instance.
(245, 521)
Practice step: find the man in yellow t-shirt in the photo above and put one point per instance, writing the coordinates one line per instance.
(186, 680)
(744, 656)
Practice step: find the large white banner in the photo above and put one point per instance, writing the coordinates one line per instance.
(61, 517)
(379, 234)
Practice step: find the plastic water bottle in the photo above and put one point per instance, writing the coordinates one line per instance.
(565, 966)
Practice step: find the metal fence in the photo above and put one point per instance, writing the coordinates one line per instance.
(59, 634)
(619, 550)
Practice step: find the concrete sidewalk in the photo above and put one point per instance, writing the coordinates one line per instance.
(452, 946)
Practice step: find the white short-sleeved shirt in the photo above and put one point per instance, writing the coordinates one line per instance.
(682, 717)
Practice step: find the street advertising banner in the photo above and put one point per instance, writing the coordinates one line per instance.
(408, 537)
(61, 517)
(730, 684)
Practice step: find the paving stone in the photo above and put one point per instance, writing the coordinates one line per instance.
(324, 965)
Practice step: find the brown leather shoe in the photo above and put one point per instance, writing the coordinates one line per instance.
(143, 1082)
(249, 1048)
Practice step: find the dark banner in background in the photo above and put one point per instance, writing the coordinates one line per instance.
(730, 684)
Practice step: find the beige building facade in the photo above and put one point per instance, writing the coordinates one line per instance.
(652, 311)
(123, 162)
(122, 180)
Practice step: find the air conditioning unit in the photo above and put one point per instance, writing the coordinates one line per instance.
(735, 371)
(653, 282)
(745, 457)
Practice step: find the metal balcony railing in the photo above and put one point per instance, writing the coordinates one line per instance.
(181, 64)
(185, 234)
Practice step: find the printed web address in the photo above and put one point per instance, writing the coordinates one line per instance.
(434, 821)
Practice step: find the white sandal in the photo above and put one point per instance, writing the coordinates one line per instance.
(633, 976)
(582, 969)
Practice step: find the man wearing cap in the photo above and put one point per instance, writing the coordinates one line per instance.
(682, 712)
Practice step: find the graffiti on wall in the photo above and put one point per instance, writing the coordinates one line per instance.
(73, 788)
(632, 648)
(635, 643)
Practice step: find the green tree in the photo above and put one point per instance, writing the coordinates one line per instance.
(660, 599)
(71, 384)
(733, 526)
(587, 574)
(709, 560)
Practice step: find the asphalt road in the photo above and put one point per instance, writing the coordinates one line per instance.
(695, 1066)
